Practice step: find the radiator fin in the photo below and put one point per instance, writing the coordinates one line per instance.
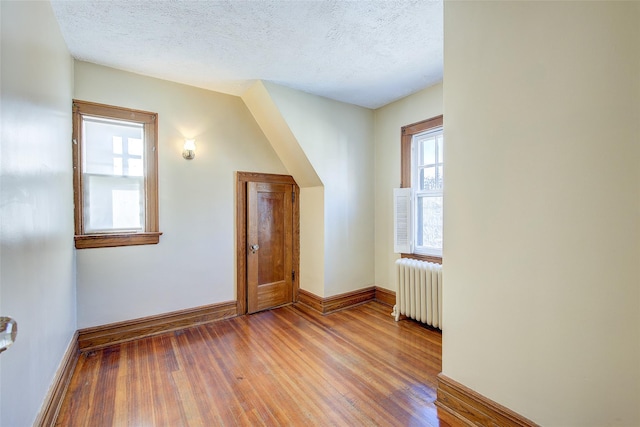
(419, 291)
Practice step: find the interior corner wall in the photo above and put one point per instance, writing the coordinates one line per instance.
(194, 263)
(37, 272)
(388, 121)
(542, 207)
(312, 239)
(337, 138)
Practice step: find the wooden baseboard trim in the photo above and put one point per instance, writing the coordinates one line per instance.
(336, 302)
(385, 296)
(348, 299)
(312, 300)
(473, 409)
(53, 401)
(115, 333)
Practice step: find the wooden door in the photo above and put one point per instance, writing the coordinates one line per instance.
(269, 245)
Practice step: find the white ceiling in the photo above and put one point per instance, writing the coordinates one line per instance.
(367, 53)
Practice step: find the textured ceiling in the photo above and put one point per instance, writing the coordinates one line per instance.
(367, 53)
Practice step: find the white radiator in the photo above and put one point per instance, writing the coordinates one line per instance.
(419, 291)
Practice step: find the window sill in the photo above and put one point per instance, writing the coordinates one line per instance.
(428, 258)
(87, 241)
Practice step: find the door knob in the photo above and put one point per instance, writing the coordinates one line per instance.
(8, 332)
(254, 248)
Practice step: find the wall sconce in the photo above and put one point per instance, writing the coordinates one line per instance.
(189, 149)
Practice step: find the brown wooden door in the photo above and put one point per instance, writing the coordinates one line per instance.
(269, 245)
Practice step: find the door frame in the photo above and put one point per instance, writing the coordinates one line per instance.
(241, 232)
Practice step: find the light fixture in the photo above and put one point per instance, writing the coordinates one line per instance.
(189, 149)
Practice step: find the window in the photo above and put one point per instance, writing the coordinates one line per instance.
(115, 176)
(418, 205)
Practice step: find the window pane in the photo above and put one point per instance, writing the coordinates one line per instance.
(117, 145)
(428, 150)
(440, 153)
(102, 142)
(117, 166)
(135, 146)
(429, 223)
(113, 203)
(126, 208)
(135, 167)
(428, 179)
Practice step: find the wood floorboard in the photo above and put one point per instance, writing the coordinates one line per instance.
(285, 367)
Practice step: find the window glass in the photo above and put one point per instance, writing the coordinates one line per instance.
(429, 233)
(428, 149)
(113, 167)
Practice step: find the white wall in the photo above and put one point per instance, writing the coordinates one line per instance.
(37, 278)
(337, 138)
(194, 263)
(542, 207)
(388, 121)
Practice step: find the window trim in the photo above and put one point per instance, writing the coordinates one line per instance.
(406, 138)
(151, 235)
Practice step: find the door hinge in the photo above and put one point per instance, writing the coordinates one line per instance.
(293, 276)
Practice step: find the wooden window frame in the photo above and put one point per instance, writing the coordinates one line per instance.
(151, 234)
(406, 138)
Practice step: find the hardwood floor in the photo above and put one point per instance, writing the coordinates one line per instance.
(285, 367)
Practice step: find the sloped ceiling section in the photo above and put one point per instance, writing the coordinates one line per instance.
(266, 113)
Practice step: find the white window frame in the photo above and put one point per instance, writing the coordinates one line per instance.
(418, 192)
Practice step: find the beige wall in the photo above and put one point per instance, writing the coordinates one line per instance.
(194, 263)
(542, 207)
(312, 230)
(388, 120)
(37, 277)
(337, 139)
